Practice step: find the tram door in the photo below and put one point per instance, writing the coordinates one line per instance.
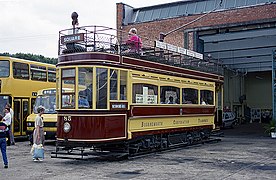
(21, 112)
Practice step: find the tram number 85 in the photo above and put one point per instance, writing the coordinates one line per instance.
(67, 118)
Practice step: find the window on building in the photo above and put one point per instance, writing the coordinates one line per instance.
(191, 8)
(169, 95)
(140, 16)
(164, 12)
(251, 2)
(21, 70)
(210, 5)
(206, 97)
(189, 96)
(200, 7)
(240, 3)
(229, 4)
(173, 11)
(85, 87)
(144, 93)
(147, 16)
(156, 14)
(182, 9)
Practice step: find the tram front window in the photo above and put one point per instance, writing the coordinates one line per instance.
(68, 82)
(85, 87)
(4, 68)
(48, 102)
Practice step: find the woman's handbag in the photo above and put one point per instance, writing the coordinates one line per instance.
(38, 151)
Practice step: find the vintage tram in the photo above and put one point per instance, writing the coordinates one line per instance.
(130, 103)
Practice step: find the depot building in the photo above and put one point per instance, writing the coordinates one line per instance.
(241, 34)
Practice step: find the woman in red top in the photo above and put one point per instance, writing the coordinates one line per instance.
(134, 41)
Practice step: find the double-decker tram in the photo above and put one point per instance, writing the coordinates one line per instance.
(131, 103)
(19, 82)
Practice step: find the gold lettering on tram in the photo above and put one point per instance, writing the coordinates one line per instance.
(181, 121)
(151, 124)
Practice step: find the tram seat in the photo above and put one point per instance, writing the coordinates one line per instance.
(72, 48)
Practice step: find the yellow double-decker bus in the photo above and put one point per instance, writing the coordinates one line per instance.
(19, 82)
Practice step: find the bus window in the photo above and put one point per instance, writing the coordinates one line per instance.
(144, 94)
(123, 85)
(113, 84)
(48, 101)
(4, 68)
(68, 81)
(21, 70)
(101, 84)
(38, 73)
(51, 75)
(189, 96)
(169, 95)
(85, 87)
(206, 97)
(3, 101)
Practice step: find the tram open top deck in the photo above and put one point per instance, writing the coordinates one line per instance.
(107, 45)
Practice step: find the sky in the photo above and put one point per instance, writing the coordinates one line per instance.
(32, 26)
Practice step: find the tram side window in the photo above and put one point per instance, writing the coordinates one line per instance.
(68, 88)
(113, 84)
(206, 97)
(51, 74)
(169, 95)
(189, 96)
(144, 93)
(123, 85)
(21, 70)
(85, 87)
(101, 91)
(4, 68)
(38, 73)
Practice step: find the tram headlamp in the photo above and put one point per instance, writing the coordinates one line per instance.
(66, 127)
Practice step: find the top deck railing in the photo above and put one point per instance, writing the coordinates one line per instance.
(109, 40)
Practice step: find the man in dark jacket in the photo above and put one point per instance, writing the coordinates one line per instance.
(3, 142)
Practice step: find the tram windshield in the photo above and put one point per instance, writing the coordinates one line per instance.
(48, 101)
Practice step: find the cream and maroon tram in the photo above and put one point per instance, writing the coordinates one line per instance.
(131, 102)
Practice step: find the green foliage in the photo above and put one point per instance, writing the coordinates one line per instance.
(270, 127)
(32, 57)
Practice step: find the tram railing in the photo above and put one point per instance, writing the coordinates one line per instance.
(109, 40)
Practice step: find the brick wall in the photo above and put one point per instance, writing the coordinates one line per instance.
(152, 29)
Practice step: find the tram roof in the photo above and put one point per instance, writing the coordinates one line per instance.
(81, 41)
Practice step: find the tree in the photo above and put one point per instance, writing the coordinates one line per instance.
(31, 57)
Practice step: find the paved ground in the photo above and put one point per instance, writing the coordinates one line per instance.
(244, 153)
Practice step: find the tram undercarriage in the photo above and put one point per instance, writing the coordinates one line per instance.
(138, 146)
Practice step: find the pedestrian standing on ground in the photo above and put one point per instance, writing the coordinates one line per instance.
(11, 137)
(7, 121)
(3, 142)
(38, 135)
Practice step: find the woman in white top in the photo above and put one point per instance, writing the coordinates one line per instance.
(38, 135)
